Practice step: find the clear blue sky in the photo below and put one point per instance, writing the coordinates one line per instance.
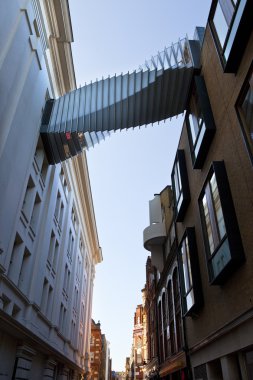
(114, 36)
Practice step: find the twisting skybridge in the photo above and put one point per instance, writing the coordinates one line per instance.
(156, 91)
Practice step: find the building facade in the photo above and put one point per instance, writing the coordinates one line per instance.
(213, 176)
(165, 334)
(48, 238)
(138, 356)
(212, 212)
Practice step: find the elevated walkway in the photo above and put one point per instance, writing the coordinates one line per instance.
(156, 91)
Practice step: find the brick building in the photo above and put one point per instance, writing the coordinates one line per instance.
(212, 211)
(139, 347)
(95, 350)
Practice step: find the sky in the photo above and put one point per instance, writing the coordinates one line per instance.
(128, 168)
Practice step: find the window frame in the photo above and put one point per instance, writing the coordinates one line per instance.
(237, 35)
(182, 201)
(199, 146)
(240, 114)
(232, 238)
(196, 285)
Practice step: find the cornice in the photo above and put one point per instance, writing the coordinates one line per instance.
(84, 191)
(60, 38)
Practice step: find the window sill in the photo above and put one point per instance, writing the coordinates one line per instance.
(222, 264)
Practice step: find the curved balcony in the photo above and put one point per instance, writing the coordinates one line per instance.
(154, 235)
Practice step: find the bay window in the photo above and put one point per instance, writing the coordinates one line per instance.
(200, 123)
(222, 237)
(191, 289)
(230, 22)
(180, 186)
(245, 112)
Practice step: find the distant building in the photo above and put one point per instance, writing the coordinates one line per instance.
(104, 371)
(128, 368)
(48, 238)
(119, 376)
(95, 351)
(139, 344)
(110, 369)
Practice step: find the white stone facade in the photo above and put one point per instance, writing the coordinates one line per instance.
(48, 238)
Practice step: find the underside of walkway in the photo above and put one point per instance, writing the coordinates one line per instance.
(158, 90)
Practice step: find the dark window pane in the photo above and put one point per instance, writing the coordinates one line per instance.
(220, 24)
(227, 7)
(246, 112)
(217, 207)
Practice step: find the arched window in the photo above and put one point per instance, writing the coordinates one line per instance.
(160, 329)
(165, 342)
(178, 319)
(171, 333)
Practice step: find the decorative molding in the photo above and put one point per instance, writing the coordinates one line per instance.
(225, 329)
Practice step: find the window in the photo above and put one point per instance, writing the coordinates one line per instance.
(230, 22)
(164, 315)
(245, 112)
(160, 329)
(180, 186)
(40, 163)
(56, 252)
(190, 275)
(51, 249)
(43, 303)
(74, 219)
(57, 206)
(72, 332)
(24, 275)
(17, 252)
(70, 246)
(35, 213)
(75, 299)
(222, 237)
(49, 302)
(64, 182)
(62, 318)
(200, 123)
(171, 332)
(178, 321)
(61, 215)
(66, 281)
(29, 199)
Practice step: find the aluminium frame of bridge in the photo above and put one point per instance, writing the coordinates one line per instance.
(158, 90)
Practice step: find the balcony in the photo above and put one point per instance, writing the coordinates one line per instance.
(154, 235)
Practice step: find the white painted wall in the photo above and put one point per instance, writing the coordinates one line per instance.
(32, 283)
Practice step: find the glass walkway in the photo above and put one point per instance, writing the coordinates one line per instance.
(156, 91)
